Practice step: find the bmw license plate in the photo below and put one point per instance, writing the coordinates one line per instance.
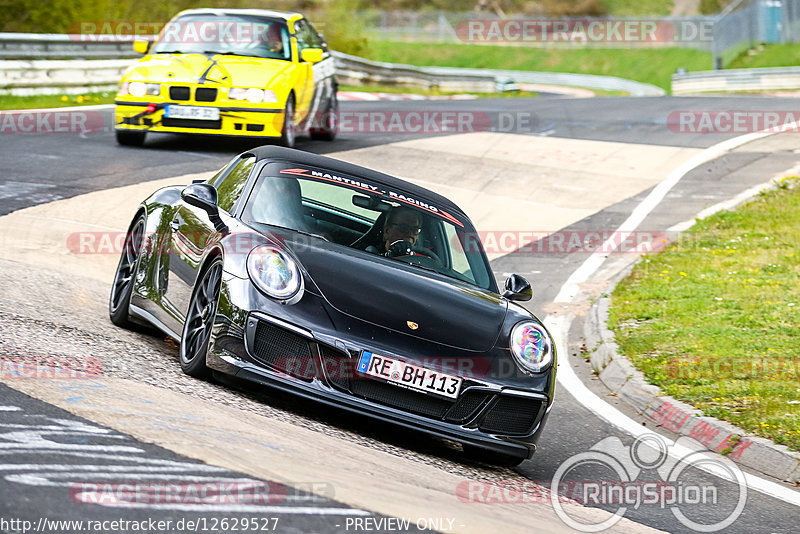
(409, 375)
(191, 112)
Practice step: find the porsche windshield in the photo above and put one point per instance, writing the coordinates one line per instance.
(236, 35)
(369, 217)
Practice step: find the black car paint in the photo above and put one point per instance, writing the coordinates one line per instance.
(339, 308)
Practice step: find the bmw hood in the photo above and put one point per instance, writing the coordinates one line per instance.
(214, 70)
(403, 298)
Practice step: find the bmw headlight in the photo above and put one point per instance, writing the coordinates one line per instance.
(252, 94)
(140, 89)
(274, 272)
(531, 346)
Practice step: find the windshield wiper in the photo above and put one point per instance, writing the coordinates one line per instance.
(228, 53)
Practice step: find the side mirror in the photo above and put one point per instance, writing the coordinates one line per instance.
(203, 196)
(517, 288)
(141, 45)
(311, 55)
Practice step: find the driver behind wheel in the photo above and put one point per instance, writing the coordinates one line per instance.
(402, 228)
(400, 233)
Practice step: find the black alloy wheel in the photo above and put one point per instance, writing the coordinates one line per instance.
(124, 278)
(200, 321)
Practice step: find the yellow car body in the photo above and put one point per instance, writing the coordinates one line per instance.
(232, 72)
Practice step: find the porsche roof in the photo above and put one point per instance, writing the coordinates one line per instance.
(330, 164)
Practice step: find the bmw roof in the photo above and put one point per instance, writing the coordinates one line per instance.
(286, 15)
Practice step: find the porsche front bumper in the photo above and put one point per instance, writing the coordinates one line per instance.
(292, 354)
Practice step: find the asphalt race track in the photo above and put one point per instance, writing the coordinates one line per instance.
(538, 165)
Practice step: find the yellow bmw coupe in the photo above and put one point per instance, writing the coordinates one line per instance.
(230, 72)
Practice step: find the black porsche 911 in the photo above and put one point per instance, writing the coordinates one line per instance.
(345, 285)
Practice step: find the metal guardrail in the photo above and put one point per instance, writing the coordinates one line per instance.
(763, 79)
(24, 75)
(445, 77)
(62, 46)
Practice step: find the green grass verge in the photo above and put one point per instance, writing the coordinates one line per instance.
(771, 55)
(715, 319)
(654, 66)
(631, 8)
(56, 101)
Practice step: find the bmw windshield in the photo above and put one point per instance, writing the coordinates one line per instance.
(236, 35)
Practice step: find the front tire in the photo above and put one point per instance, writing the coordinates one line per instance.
(330, 122)
(200, 321)
(289, 130)
(122, 288)
(130, 137)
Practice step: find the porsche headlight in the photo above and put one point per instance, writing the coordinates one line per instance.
(531, 346)
(274, 272)
(252, 94)
(140, 89)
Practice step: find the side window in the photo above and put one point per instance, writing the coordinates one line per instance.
(223, 172)
(230, 188)
(307, 37)
(316, 37)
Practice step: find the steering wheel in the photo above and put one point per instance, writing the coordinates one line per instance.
(402, 248)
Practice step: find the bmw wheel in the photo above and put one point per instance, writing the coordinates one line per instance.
(130, 137)
(200, 321)
(289, 131)
(329, 126)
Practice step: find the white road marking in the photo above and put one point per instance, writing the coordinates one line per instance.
(560, 325)
(13, 189)
(70, 221)
(300, 510)
(10, 409)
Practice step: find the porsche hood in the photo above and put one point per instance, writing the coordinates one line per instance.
(213, 70)
(408, 302)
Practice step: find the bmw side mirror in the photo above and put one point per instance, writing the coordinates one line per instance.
(311, 55)
(517, 288)
(203, 196)
(141, 45)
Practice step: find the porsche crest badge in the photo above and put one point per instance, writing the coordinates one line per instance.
(412, 325)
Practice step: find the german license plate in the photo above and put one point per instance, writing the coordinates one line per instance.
(192, 112)
(408, 375)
